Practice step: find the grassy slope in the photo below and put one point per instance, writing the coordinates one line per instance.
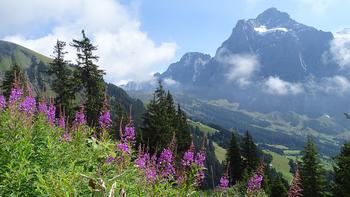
(280, 163)
(202, 127)
(219, 152)
(11, 53)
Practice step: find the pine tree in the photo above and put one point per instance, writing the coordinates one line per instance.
(91, 78)
(157, 130)
(342, 172)
(161, 121)
(63, 82)
(249, 153)
(234, 161)
(277, 187)
(311, 171)
(10, 75)
(273, 184)
(183, 135)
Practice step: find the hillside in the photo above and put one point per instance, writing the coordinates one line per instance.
(35, 66)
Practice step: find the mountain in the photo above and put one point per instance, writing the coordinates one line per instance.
(273, 76)
(35, 66)
(284, 47)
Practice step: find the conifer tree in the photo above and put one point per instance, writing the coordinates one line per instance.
(157, 130)
(63, 82)
(10, 75)
(91, 78)
(249, 153)
(342, 172)
(161, 121)
(277, 188)
(183, 135)
(234, 161)
(311, 171)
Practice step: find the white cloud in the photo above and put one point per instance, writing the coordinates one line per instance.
(126, 53)
(336, 84)
(277, 86)
(241, 66)
(170, 82)
(340, 48)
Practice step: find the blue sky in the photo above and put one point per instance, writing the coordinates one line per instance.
(197, 25)
(139, 37)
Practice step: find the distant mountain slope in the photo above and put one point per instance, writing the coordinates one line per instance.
(11, 53)
(273, 76)
(35, 66)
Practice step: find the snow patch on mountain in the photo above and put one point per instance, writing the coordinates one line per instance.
(262, 29)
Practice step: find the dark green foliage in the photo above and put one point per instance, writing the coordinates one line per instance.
(293, 166)
(278, 189)
(7, 84)
(223, 137)
(62, 83)
(249, 153)
(162, 120)
(91, 78)
(183, 136)
(274, 184)
(234, 161)
(342, 172)
(311, 171)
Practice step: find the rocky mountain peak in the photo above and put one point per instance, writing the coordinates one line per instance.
(273, 18)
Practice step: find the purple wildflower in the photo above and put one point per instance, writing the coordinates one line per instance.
(129, 134)
(2, 102)
(67, 137)
(61, 122)
(166, 156)
(200, 158)
(188, 158)
(151, 169)
(16, 95)
(28, 105)
(109, 160)
(165, 163)
(42, 107)
(151, 174)
(199, 177)
(180, 179)
(254, 183)
(224, 182)
(142, 160)
(80, 117)
(124, 148)
(51, 114)
(105, 119)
